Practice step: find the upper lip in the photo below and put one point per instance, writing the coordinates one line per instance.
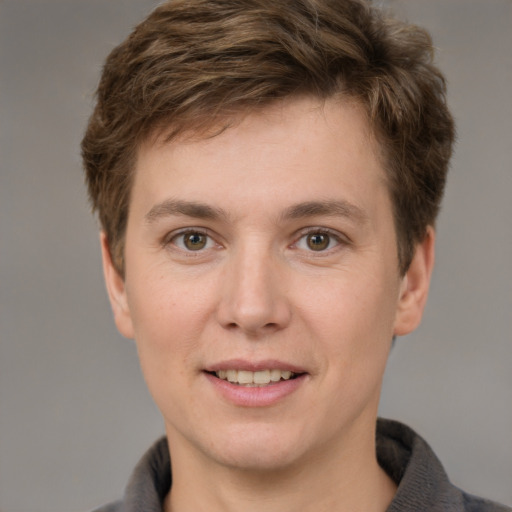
(254, 366)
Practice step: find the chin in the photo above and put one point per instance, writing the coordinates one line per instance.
(263, 448)
(259, 459)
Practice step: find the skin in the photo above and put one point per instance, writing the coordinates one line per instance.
(257, 290)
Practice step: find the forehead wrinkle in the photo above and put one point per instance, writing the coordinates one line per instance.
(171, 207)
(331, 208)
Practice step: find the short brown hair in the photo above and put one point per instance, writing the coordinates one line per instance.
(192, 63)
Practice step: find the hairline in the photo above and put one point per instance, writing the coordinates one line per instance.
(164, 131)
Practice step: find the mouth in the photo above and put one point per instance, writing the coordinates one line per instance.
(260, 378)
(246, 383)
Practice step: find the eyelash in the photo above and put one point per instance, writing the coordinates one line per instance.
(333, 236)
(172, 238)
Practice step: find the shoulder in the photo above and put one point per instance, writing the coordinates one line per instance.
(421, 480)
(116, 506)
(476, 504)
(149, 483)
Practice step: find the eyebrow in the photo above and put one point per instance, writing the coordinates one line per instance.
(171, 207)
(330, 208)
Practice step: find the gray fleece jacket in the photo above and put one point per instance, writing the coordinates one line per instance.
(422, 482)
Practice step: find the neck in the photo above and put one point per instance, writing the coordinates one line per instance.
(351, 480)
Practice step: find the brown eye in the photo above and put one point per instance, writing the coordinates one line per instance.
(318, 241)
(194, 241)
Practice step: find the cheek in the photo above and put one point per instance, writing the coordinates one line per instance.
(167, 323)
(359, 303)
(354, 318)
(168, 316)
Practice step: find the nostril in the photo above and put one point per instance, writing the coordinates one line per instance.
(253, 331)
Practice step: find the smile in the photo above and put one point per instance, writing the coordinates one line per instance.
(255, 379)
(246, 383)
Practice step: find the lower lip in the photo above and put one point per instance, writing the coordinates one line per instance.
(246, 396)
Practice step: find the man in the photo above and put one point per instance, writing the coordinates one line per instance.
(267, 176)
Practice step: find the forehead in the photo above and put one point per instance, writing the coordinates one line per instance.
(303, 145)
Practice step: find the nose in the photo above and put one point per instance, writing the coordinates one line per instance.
(254, 297)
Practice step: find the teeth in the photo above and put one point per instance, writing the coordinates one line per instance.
(259, 378)
(275, 375)
(262, 377)
(245, 377)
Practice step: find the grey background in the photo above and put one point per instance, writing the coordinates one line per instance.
(74, 412)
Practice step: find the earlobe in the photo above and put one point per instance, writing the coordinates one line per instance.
(415, 286)
(116, 291)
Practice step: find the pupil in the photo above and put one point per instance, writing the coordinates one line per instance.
(318, 241)
(195, 241)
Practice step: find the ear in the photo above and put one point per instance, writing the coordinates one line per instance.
(415, 286)
(116, 291)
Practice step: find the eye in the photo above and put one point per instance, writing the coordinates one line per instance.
(192, 241)
(318, 241)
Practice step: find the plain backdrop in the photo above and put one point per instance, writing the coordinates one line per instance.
(75, 415)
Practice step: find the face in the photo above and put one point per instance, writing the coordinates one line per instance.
(262, 285)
